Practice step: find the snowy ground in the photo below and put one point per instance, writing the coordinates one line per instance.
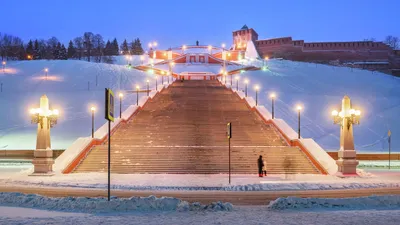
(379, 164)
(320, 89)
(240, 215)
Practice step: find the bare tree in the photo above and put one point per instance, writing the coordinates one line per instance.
(392, 41)
(78, 41)
(98, 47)
(88, 43)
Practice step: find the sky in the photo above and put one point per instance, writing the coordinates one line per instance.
(177, 22)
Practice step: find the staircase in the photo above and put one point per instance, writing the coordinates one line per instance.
(183, 130)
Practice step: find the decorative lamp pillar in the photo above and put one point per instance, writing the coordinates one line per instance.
(45, 118)
(347, 163)
(273, 96)
(137, 94)
(256, 88)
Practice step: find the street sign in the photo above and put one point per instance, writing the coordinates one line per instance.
(109, 113)
(229, 130)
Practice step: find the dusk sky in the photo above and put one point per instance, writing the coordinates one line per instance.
(177, 22)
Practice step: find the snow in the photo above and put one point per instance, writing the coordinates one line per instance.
(239, 215)
(70, 154)
(250, 101)
(320, 89)
(251, 51)
(264, 112)
(286, 129)
(319, 154)
(215, 182)
(371, 202)
(379, 164)
(67, 90)
(101, 205)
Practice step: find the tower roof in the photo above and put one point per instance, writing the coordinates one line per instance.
(245, 27)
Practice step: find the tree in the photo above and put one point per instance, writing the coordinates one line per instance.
(21, 52)
(29, 48)
(56, 52)
(78, 41)
(51, 46)
(71, 50)
(63, 53)
(98, 47)
(88, 44)
(115, 47)
(36, 50)
(125, 48)
(136, 47)
(108, 49)
(392, 41)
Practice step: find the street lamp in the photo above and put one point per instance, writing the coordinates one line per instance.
(92, 109)
(39, 115)
(257, 88)
(156, 82)
(210, 49)
(137, 94)
(225, 75)
(142, 59)
(299, 108)
(246, 81)
(168, 74)
(148, 87)
(4, 66)
(237, 82)
(347, 162)
(223, 45)
(46, 70)
(273, 96)
(183, 48)
(162, 77)
(265, 61)
(120, 104)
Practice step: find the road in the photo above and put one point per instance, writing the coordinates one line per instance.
(234, 197)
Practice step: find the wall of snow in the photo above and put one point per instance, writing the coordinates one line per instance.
(372, 202)
(251, 51)
(319, 154)
(286, 129)
(101, 205)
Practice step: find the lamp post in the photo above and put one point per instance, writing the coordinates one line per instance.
(257, 88)
(237, 82)
(137, 94)
(225, 75)
(210, 49)
(45, 118)
(265, 61)
(162, 77)
(46, 70)
(183, 49)
(348, 116)
(171, 65)
(273, 96)
(121, 95)
(156, 82)
(142, 59)
(4, 66)
(168, 74)
(246, 82)
(148, 86)
(299, 108)
(224, 57)
(92, 109)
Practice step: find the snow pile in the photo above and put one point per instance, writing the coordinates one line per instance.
(101, 205)
(371, 202)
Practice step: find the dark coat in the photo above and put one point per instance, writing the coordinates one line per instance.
(260, 162)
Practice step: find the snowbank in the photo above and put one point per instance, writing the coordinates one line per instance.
(264, 112)
(251, 51)
(286, 129)
(250, 101)
(129, 112)
(71, 153)
(101, 205)
(371, 202)
(319, 154)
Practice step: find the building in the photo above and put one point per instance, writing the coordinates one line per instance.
(378, 55)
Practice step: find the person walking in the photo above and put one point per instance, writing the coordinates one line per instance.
(264, 168)
(260, 163)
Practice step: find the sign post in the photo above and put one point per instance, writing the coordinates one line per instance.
(390, 142)
(109, 115)
(229, 135)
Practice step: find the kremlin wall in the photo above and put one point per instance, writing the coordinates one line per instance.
(360, 54)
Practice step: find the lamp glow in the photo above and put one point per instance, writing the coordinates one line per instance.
(335, 113)
(272, 95)
(121, 95)
(299, 108)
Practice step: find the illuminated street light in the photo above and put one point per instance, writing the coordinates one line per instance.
(120, 104)
(156, 82)
(299, 108)
(223, 45)
(346, 118)
(256, 88)
(246, 82)
(46, 70)
(4, 66)
(273, 96)
(137, 94)
(29, 57)
(92, 109)
(237, 82)
(210, 49)
(148, 86)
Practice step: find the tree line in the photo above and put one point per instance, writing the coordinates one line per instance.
(89, 46)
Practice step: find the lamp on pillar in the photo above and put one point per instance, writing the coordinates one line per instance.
(273, 96)
(92, 109)
(120, 95)
(148, 86)
(210, 49)
(46, 70)
(156, 82)
(225, 75)
(4, 66)
(45, 119)
(347, 163)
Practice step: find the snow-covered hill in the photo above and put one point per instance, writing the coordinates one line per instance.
(320, 89)
(67, 89)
